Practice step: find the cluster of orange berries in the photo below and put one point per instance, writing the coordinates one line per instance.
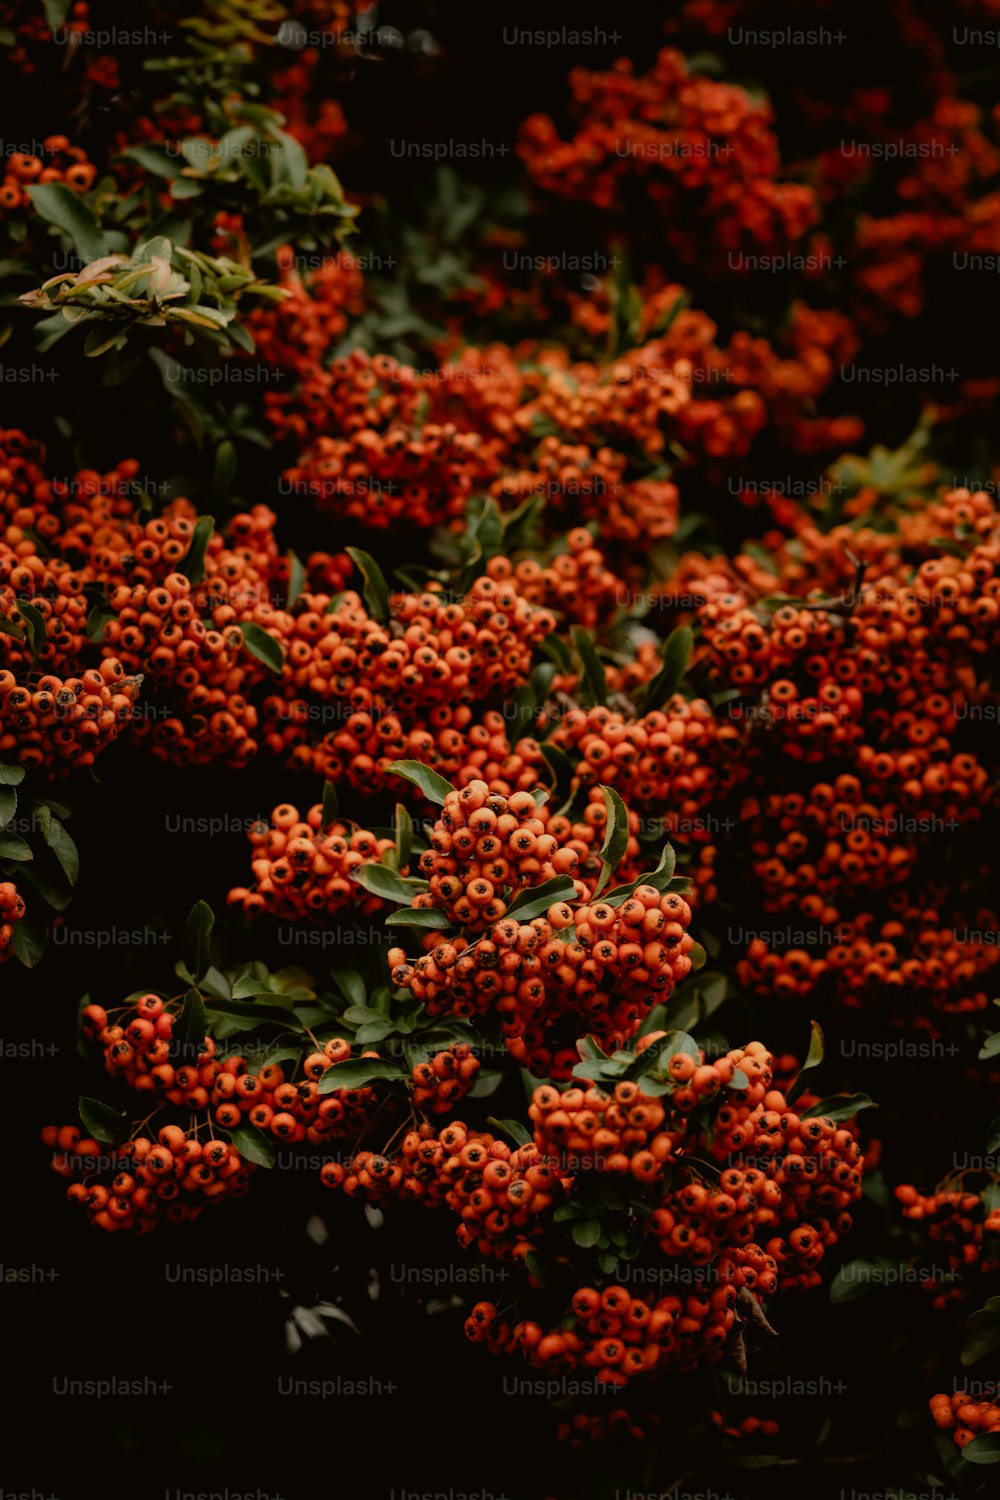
(11, 911)
(676, 760)
(499, 1193)
(443, 1079)
(302, 867)
(703, 152)
(485, 849)
(58, 162)
(618, 1336)
(61, 724)
(963, 1418)
(174, 1178)
(954, 1221)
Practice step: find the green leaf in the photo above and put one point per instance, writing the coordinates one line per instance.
(615, 837)
(659, 878)
(56, 12)
(382, 881)
(518, 1133)
(198, 938)
(296, 580)
(993, 1136)
(376, 590)
(28, 941)
(433, 786)
(536, 900)
(355, 1073)
(192, 1028)
(656, 1056)
(351, 986)
(404, 835)
(107, 1125)
(226, 462)
(860, 1276)
(262, 645)
(8, 805)
(331, 803)
(562, 768)
(67, 211)
(252, 1144)
(813, 1060)
(676, 653)
(593, 684)
(11, 775)
(982, 1332)
(428, 917)
(250, 1015)
(192, 565)
(247, 987)
(13, 846)
(586, 1232)
(839, 1107)
(590, 1049)
(154, 159)
(9, 627)
(35, 627)
(990, 1048)
(64, 849)
(984, 1449)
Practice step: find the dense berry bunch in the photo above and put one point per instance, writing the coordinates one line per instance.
(11, 911)
(302, 867)
(136, 1185)
(963, 1417)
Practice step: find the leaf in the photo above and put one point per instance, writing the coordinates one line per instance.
(594, 684)
(562, 768)
(331, 803)
(615, 837)
(64, 849)
(433, 786)
(590, 1049)
(376, 590)
(428, 917)
(198, 938)
(192, 565)
(296, 580)
(984, 1449)
(517, 1132)
(35, 627)
(11, 775)
(839, 1107)
(251, 1015)
(252, 1144)
(993, 1136)
(860, 1276)
(356, 1072)
(659, 878)
(676, 653)
(351, 986)
(404, 835)
(813, 1060)
(261, 644)
(8, 805)
(382, 881)
(56, 12)
(189, 1035)
(65, 209)
(990, 1048)
(586, 1232)
(8, 627)
(656, 1056)
(107, 1125)
(226, 462)
(155, 159)
(247, 987)
(28, 942)
(982, 1332)
(13, 846)
(536, 900)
